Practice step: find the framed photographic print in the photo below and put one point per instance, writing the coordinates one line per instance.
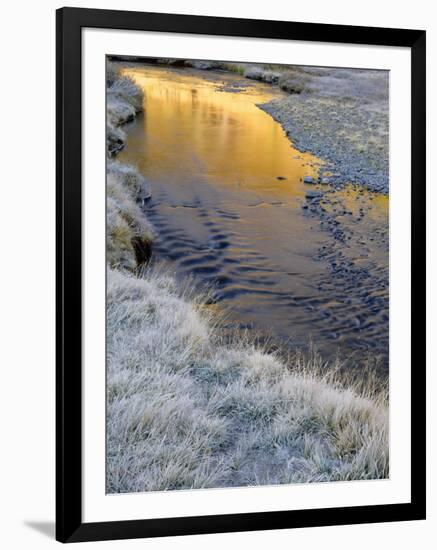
(240, 274)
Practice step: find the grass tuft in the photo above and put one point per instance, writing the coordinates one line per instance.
(128, 230)
(124, 99)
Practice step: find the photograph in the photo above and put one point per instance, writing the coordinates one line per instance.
(247, 274)
(224, 338)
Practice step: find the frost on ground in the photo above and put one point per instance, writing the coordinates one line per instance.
(186, 411)
(124, 100)
(129, 234)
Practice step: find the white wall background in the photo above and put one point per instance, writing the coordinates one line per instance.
(27, 206)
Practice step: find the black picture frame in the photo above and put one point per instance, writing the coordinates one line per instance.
(69, 525)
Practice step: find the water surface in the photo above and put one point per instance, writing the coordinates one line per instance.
(228, 192)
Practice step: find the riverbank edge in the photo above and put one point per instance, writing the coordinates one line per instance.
(160, 333)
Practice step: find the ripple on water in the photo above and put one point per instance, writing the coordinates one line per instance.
(221, 213)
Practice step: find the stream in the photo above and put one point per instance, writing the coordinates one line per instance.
(231, 209)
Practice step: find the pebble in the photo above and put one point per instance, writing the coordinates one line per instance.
(313, 195)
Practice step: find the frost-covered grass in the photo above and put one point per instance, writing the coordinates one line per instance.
(112, 72)
(366, 85)
(297, 79)
(124, 100)
(129, 234)
(186, 410)
(292, 80)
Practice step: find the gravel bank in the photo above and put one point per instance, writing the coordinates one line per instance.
(342, 117)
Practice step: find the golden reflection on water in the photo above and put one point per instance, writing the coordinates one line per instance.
(213, 160)
(198, 125)
(353, 198)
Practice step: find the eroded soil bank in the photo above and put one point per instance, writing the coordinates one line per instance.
(298, 261)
